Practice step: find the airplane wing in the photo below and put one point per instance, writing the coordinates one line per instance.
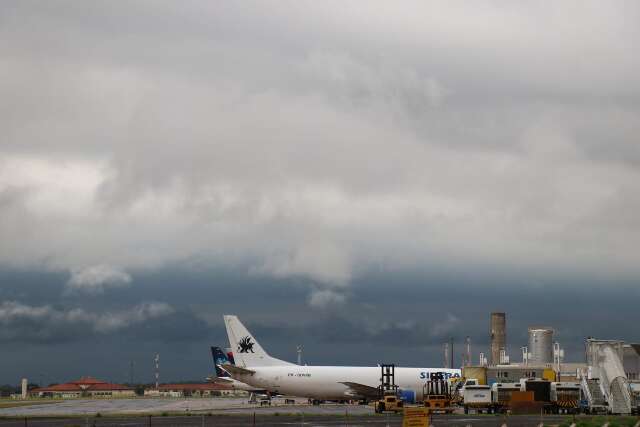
(219, 380)
(362, 390)
(236, 370)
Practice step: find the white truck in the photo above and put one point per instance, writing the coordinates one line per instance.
(477, 398)
(565, 397)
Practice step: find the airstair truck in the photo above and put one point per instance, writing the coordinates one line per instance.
(604, 361)
(635, 397)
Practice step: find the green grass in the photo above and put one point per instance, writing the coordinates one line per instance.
(600, 420)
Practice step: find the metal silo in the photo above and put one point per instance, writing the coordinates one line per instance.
(498, 328)
(541, 345)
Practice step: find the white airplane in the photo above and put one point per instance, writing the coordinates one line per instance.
(256, 368)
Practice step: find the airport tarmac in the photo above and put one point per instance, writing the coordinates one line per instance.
(283, 420)
(227, 412)
(75, 407)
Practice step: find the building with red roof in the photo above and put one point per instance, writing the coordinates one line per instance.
(84, 387)
(193, 390)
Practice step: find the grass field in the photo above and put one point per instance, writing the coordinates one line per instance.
(599, 421)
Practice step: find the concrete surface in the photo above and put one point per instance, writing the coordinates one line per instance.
(281, 421)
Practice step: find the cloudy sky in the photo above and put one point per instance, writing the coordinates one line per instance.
(363, 178)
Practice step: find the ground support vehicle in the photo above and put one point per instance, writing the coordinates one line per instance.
(565, 397)
(437, 397)
(477, 398)
(389, 403)
(389, 399)
(635, 398)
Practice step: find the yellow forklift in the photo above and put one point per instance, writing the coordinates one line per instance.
(388, 399)
(437, 396)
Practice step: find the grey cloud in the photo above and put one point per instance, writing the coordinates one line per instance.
(404, 331)
(265, 158)
(304, 144)
(110, 322)
(23, 322)
(326, 297)
(95, 279)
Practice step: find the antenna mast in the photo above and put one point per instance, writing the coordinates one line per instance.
(468, 355)
(157, 362)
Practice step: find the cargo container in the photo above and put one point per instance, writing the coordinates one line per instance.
(502, 395)
(541, 391)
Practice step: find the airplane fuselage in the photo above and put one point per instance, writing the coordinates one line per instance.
(326, 382)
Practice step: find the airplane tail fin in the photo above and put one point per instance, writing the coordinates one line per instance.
(246, 349)
(230, 355)
(219, 359)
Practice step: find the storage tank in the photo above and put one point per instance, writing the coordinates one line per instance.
(540, 345)
(498, 331)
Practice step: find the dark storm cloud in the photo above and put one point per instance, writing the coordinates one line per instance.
(391, 317)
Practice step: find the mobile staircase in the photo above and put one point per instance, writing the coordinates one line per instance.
(592, 390)
(604, 361)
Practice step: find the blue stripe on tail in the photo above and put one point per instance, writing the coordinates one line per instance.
(219, 358)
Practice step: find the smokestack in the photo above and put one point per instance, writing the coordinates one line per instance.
(498, 331)
(446, 355)
(452, 353)
(25, 385)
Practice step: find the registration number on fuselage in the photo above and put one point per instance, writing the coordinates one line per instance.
(299, 374)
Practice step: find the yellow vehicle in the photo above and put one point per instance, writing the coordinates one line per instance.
(389, 403)
(437, 397)
(438, 404)
(389, 400)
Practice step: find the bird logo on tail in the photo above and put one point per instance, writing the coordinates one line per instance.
(245, 345)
